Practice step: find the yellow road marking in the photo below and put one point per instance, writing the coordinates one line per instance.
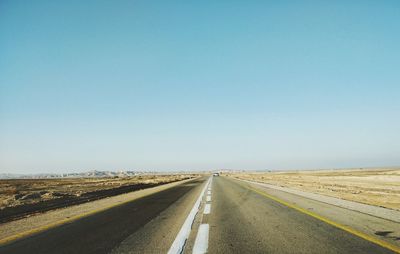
(79, 216)
(328, 221)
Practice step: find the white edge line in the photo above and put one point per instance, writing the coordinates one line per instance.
(180, 240)
(201, 242)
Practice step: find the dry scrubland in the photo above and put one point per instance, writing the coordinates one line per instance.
(379, 187)
(17, 192)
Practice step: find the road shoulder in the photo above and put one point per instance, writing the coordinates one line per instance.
(372, 226)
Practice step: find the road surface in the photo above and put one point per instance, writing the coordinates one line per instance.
(232, 218)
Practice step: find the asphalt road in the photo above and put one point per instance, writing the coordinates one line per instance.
(105, 231)
(243, 221)
(240, 221)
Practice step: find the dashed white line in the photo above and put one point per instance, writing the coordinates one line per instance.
(208, 198)
(207, 209)
(201, 242)
(208, 192)
(180, 240)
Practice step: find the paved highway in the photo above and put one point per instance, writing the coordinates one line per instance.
(244, 221)
(231, 218)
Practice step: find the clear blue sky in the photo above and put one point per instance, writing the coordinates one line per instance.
(176, 85)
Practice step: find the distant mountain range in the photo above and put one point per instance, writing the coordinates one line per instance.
(88, 174)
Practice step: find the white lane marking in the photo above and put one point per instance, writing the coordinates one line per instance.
(201, 242)
(208, 192)
(208, 198)
(207, 209)
(180, 240)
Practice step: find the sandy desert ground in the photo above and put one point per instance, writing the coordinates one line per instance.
(379, 187)
(22, 197)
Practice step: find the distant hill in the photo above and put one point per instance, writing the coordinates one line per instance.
(88, 174)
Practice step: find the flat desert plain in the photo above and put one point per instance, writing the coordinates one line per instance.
(379, 187)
